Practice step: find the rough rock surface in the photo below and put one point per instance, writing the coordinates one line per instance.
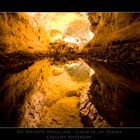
(89, 114)
(17, 34)
(114, 28)
(114, 54)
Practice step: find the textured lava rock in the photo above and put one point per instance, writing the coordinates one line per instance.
(16, 34)
(89, 114)
(114, 55)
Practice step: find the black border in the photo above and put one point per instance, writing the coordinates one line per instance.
(70, 5)
(70, 133)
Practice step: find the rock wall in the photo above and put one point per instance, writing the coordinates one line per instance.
(114, 54)
(90, 117)
(114, 28)
(16, 34)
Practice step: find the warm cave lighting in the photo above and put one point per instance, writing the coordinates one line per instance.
(79, 41)
(72, 40)
(73, 26)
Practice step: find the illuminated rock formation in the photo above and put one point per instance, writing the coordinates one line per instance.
(56, 73)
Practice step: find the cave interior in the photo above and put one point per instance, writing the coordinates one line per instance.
(69, 69)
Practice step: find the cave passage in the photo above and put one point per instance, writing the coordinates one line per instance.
(66, 70)
(59, 80)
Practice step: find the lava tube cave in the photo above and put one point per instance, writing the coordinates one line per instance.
(69, 69)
